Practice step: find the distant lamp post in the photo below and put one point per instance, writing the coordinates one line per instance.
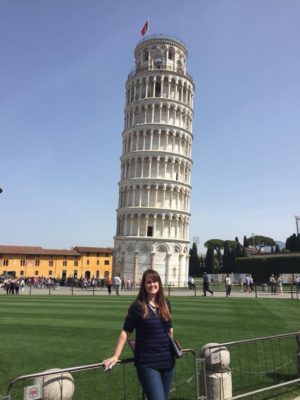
(297, 218)
(253, 239)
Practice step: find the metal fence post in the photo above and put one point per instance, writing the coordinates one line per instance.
(195, 290)
(255, 288)
(292, 295)
(30, 290)
(169, 289)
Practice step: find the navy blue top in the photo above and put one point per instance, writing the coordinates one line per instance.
(152, 345)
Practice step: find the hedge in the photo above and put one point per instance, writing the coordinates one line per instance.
(261, 267)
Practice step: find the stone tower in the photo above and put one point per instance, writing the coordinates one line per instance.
(153, 214)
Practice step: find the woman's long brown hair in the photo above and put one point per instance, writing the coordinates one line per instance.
(160, 299)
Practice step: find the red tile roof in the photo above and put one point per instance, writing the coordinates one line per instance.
(84, 249)
(36, 250)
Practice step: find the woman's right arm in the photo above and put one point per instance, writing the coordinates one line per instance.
(110, 362)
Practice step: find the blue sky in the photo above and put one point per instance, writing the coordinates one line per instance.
(63, 69)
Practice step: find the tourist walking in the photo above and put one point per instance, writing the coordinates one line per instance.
(191, 283)
(206, 285)
(251, 283)
(279, 285)
(108, 284)
(228, 285)
(117, 283)
(272, 282)
(150, 316)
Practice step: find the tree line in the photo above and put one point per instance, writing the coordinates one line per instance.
(221, 254)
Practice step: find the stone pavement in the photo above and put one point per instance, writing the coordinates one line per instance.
(67, 291)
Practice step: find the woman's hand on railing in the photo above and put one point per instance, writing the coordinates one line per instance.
(109, 363)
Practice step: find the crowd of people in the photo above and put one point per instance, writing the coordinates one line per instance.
(245, 284)
(16, 285)
(13, 286)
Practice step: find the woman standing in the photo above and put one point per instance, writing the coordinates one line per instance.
(150, 316)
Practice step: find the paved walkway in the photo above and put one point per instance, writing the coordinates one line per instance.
(67, 291)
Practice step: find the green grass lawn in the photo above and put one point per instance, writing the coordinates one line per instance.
(39, 333)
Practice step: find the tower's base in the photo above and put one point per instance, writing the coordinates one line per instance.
(169, 258)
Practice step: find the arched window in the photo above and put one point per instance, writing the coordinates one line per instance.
(157, 89)
(171, 54)
(146, 55)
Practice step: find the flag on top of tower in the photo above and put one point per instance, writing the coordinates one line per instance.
(145, 27)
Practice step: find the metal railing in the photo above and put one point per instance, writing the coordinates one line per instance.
(259, 291)
(161, 36)
(88, 382)
(252, 367)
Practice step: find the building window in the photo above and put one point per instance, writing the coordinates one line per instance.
(21, 273)
(98, 262)
(106, 262)
(37, 263)
(5, 263)
(157, 89)
(75, 263)
(51, 263)
(75, 273)
(64, 263)
(145, 55)
(36, 273)
(87, 262)
(106, 274)
(49, 273)
(23, 262)
(150, 231)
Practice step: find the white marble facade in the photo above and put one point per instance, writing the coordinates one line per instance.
(153, 214)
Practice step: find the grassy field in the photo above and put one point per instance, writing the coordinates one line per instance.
(38, 333)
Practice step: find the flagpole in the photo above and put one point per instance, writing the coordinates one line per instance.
(148, 26)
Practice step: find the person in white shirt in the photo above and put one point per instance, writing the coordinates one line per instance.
(117, 283)
(228, 285)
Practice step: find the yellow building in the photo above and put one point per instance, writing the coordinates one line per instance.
(78, 262)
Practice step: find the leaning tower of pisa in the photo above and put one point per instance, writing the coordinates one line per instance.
(153, 214)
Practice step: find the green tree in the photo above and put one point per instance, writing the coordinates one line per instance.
(209, 260)
(246, 242)
(217, 245)
(293, 243)
(194, 267)
(260, 241)
(226, 257)
(201, 264)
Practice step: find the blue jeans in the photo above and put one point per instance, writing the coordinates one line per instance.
(156, 383)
